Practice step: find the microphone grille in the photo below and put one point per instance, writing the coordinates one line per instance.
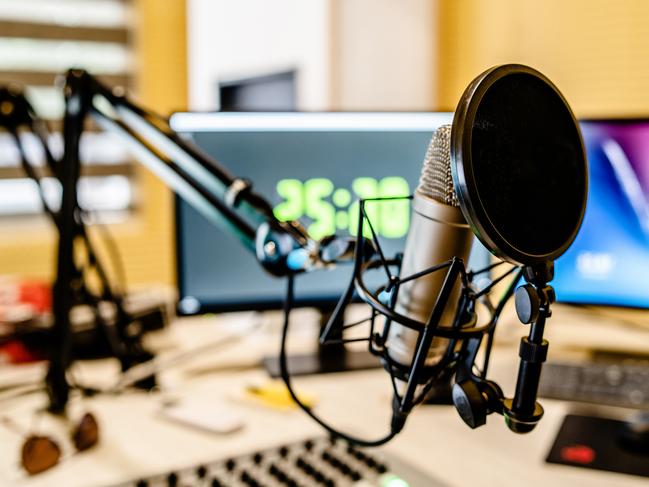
(436, 181)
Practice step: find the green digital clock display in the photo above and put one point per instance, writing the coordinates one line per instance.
(332, 210)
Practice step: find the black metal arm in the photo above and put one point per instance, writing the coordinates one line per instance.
(282, 248)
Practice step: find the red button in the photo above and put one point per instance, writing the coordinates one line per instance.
(582, 454)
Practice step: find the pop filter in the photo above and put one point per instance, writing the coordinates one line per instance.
(518, 165)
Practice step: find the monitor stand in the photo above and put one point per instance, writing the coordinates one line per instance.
(327, 359)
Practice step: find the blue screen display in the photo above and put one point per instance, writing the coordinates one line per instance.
(608, 263)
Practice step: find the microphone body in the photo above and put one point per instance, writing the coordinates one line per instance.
(438, 232)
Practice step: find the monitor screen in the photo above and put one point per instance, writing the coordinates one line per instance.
(312, 167)
(608, 263)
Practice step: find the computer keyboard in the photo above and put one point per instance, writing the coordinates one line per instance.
(615, 382)
(320, 462)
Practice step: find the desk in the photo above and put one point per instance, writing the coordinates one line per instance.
(136, 442)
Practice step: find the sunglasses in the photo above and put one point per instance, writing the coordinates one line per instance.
(40, 453)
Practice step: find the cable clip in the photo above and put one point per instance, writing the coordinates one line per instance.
(234, 191)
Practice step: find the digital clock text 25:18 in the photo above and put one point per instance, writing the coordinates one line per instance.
(332, 209)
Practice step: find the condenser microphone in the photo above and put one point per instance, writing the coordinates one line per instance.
(438, 233)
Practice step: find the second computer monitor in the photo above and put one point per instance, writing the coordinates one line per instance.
(608, 263)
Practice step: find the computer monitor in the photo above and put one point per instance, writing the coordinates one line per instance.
(313, 167)
(608, 263)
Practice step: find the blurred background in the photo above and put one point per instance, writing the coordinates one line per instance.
(338, 54)
(307, 55)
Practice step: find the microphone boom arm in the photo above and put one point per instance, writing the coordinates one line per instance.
(282, 248)
(227, 201)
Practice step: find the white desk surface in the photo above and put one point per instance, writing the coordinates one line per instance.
(136, 442)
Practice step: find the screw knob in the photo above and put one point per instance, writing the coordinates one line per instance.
(527, 302)
(470, 403)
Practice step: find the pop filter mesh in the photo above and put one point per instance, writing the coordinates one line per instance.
(528, 165)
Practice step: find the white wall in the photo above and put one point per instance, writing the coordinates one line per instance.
(350, 54)
(385, 54)
(229, 39)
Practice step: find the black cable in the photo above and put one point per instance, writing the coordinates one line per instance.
(31, 173)
(284, 373)
(495, 317)
(114, 255)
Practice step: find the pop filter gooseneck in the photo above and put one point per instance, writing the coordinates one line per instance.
(520, 171)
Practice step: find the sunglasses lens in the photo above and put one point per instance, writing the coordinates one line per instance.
(39, 453)
(86, 434)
